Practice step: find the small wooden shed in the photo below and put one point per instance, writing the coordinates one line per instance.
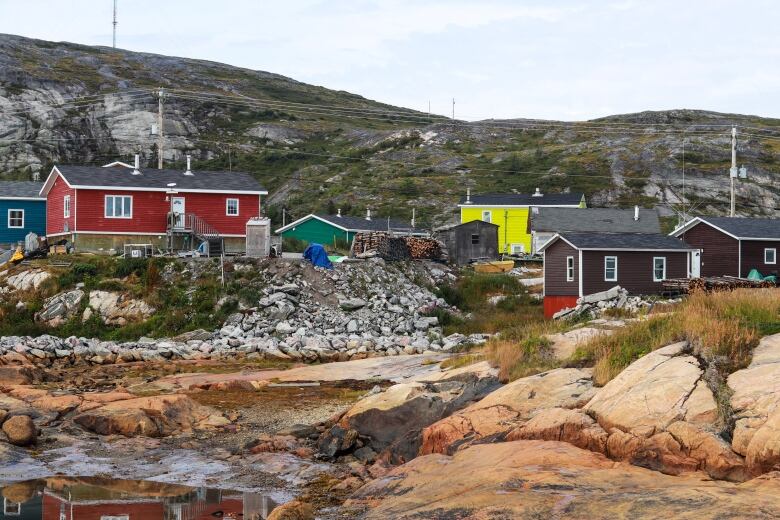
(470, 241)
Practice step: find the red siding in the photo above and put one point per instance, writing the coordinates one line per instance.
(150, 211)
(753, 256)
(720, 252)
(553, 304)
(55, 220)
(635, 270)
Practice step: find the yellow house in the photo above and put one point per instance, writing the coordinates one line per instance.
(511, 213)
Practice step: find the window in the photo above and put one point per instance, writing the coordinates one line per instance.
(11, 508)
(231, 207)
(569, 268)
(475, 239)
(15, 218)
(487, 216)
(119, 206)
(66, 206)
(610, 269)
(659, 268)
(517, 249)
(770, 255)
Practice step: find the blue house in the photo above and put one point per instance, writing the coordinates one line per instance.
(22, 209)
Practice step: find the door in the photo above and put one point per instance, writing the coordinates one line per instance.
(695, 264)
(178, 210)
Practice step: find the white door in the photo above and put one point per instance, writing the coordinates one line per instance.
(695, 264)
(177, 208)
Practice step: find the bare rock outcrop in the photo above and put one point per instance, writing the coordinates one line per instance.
(656, 390)
(393, 419)
(116, 308)
(756, 407)
(507, 408)
(60, 307)
(544, 479)
(157, 416)
(20, 430)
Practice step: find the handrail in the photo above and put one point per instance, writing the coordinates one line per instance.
(200, 228)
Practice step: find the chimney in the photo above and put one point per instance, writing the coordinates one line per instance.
(636, 213)
(136, 171)
(468, 195)
(368, 214)
(338, 212)
(537, 193)
(189, 173)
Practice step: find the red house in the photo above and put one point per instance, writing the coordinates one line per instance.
(101, 208)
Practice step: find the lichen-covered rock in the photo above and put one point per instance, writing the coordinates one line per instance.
(118, 309)
(756, 406)
(508, 407)
(60, 308)
(656, 390)
(20, 430)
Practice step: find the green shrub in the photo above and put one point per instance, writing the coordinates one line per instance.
(127, 266)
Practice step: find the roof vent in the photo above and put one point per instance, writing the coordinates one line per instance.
(636, 212)
(468, 195)
(537, 193)
(338, 212)
(136, 171)
(189, 173)
(368, 214)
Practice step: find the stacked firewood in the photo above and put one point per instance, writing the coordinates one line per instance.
(714, 283)
(396, 248)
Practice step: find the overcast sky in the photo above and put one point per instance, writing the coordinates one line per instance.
(550, 59)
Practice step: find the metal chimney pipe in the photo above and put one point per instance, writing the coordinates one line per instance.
(189, 161)
(137, 165)
(368, 214)
(636, 213)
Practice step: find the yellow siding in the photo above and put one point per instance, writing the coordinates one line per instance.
(512, 224)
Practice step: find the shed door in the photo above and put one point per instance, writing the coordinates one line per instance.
(695, 264)
(178, 209)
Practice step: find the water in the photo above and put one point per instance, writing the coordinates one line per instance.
(93, 498)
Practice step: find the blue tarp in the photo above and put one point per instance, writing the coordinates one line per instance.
(316, 254)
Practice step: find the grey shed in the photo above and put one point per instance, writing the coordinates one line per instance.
(469, 242)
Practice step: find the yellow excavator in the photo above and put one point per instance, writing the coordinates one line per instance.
(15, 257)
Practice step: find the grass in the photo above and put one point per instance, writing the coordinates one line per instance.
(723, 329)
(523, 350)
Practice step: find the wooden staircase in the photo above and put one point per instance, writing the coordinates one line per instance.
(203, 232)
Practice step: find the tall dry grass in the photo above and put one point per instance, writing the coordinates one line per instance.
(722, 327)
(523, 350)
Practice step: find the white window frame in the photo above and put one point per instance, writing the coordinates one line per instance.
(774, 255)
(9, 218)
(606, 278)
(113, 197)
(569, 268)
(227, 208)
(656, 279)
(66, 206)
(8, 512)
(489, 215)
(513, 246)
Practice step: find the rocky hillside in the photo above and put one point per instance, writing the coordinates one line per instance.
(317, 149)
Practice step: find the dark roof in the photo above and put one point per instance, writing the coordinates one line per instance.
(747, 227)
(478, 223)
(122, 177)
(611, 220)
(624, 241)
(525, 199)
(20, 190)
(375, 224)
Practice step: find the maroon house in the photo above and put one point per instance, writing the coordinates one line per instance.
(577, 264)
(732, 245)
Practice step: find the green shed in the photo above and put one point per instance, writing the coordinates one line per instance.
(327, 229)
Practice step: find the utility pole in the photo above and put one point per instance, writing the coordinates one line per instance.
(160, 98)
(733, 171)
(413, 218)
(115, 22)
(453, 109)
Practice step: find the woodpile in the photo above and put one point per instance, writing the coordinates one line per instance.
(395, 248)
(714, 283)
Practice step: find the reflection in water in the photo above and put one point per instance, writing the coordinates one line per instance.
(60, 498)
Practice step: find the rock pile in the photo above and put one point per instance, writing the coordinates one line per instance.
(593, 305)
(303, 314)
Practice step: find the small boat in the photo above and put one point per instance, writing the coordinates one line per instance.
(495, 266)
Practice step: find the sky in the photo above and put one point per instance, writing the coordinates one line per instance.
(553, 59)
